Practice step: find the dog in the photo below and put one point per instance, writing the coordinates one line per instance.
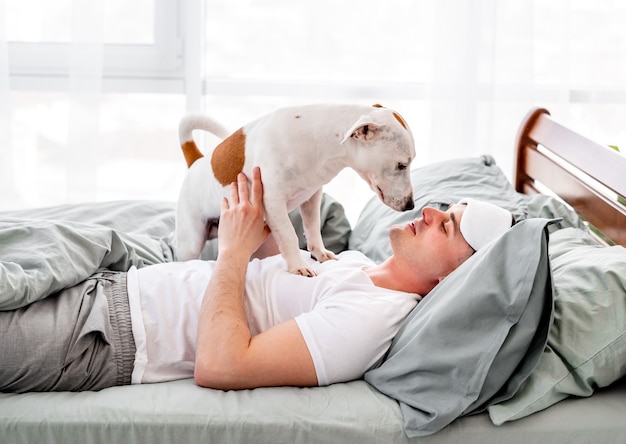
(299, 149)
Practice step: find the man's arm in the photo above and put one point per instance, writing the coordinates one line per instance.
(227, 356)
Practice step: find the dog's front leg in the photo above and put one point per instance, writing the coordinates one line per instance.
(310, 211)
(278, 220)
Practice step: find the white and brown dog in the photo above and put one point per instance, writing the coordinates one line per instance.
(299, 149)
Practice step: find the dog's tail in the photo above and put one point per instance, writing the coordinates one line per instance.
(185, 129)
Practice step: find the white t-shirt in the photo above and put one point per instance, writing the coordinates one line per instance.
(346, 321)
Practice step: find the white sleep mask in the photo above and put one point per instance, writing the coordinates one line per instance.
(483, 222)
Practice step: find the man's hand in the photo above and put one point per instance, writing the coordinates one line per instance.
(242, 227)
(227, 356)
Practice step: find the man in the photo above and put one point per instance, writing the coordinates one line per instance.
(235, 323)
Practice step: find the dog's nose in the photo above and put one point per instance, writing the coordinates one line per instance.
(409, 205)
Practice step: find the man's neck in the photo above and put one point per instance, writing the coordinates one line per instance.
(389, 275)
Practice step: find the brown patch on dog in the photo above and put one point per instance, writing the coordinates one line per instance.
(228, 158)
(401, 120)
(191, 152)
(396, 115)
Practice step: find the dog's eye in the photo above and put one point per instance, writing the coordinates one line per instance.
(402, 166)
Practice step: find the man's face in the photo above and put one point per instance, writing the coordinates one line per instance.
(433, 242)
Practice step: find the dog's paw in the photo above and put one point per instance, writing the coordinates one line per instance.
(323, 255)
(306, 272)
(302, 270)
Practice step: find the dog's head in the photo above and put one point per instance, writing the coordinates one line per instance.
(381, 153)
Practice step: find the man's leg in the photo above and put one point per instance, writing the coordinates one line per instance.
(78, 339)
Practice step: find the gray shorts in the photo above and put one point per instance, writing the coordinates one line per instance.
(78, 339)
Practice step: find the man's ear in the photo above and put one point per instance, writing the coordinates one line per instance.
(363, 129)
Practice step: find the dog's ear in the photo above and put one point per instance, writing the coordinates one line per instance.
(363, 129)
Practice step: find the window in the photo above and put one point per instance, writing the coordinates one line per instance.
(131, 45)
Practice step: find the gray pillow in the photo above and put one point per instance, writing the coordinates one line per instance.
(550, 207)
(587, 344)
(437, 185)
(485, 322)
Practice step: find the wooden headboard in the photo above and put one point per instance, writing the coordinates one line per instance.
(588, 176)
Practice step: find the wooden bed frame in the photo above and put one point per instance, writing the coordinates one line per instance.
(552, 158)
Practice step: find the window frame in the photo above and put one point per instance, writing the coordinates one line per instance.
(125, 67)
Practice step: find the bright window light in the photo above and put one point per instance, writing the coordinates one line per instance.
(36, 21)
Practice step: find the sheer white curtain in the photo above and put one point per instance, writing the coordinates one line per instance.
(91, 92)
(494, 59)
(66, 171)
(81, 157)
(462, 72)
(7, 182)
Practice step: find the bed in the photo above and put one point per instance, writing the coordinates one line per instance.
(555, 291)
